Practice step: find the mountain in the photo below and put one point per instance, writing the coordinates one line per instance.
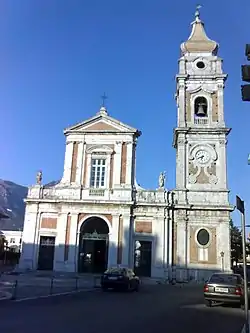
(12, 204)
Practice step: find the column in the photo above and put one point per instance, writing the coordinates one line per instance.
(79, 163)
(88, 171)
(159, 248)
(222, 166)
(126, 240)
(83, 171)
(220, 101)
(67, 162)
(170, 244)
(29, 245)
(181, 163)
(113, 242)
(129, 164)
(181, 102)
(60, 242)
(181, 241)
(117, 163)
(73, 245)
(223, 245)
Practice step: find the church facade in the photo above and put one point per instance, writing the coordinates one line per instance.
(98, 216)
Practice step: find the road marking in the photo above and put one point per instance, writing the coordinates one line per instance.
(52, 295)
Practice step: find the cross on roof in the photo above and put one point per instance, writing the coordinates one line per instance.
(104, 97)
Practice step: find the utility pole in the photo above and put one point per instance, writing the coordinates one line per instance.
(241, 208)
(245, 74)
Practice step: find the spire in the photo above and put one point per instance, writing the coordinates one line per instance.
(103, 110)
(198, 41)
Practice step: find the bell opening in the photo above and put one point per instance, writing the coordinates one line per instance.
(200, 107)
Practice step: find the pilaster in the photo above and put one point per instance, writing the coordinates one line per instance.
(113, 242)
(126, 240)
(117, 163)
(129, 164)
(60, 242)
(73, 244)
(67, 162)
(79, 163)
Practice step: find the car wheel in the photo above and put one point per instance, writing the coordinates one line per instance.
(208, 303)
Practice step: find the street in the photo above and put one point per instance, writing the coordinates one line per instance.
(154, 308)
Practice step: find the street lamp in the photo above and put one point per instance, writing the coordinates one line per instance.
(222, 260)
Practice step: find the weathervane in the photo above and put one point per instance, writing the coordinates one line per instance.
(104, 97)
(197, 12)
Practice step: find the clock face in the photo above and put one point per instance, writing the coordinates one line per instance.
(202, 156)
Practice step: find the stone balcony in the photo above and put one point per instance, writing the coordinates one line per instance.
(151, 196)
(76, 192)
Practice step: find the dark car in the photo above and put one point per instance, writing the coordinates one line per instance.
(120, 278)
(224, 288)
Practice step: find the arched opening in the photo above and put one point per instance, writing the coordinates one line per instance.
(93, 246)
(200, 107)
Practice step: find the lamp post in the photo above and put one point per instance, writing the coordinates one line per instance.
(222, 260)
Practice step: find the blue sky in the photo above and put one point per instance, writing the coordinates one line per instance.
(57, 57)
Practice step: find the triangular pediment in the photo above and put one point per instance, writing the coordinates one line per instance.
(102, 124)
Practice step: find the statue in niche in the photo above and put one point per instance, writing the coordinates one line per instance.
(39, 177)
(162, 179)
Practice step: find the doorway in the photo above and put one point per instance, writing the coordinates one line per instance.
(142, 258)
(93, 246)
(46, 253)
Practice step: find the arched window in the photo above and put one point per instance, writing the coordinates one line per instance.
(200, 107)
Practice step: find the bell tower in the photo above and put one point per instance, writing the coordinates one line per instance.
(200, 140)
(200, 135)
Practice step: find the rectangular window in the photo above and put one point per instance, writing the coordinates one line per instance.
(12, 240)
(98, 171)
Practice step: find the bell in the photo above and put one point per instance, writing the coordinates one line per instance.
(201, 110)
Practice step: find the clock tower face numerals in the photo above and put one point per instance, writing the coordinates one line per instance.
(202, 156)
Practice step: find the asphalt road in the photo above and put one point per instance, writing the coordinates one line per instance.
(153, 309)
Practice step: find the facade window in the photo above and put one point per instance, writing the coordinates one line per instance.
(98, 172)
(203, 237)
(12, 240)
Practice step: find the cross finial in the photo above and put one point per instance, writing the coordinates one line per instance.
(197, 12)
(104, 97)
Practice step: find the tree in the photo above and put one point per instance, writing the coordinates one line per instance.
(236, 243)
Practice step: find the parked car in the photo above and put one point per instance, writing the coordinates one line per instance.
(224, 288)
(120, 278)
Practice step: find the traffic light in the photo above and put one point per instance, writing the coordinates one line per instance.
(245, 73)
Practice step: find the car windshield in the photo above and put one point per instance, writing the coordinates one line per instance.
(115, 271)
(223, 278)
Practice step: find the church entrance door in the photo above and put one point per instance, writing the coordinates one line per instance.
(142, 258)
(93, 246)
(46, 253)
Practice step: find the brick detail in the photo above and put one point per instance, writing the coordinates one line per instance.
(74, 162)
(143, 227)
(188, 106)
(101, 126)
(212, 252)
(84, 215)
(111, 171)
(215, 116)
(49, 223)
(67, 238)
(123, 163)
(84, 182)
(194, 247)
(120, 241)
